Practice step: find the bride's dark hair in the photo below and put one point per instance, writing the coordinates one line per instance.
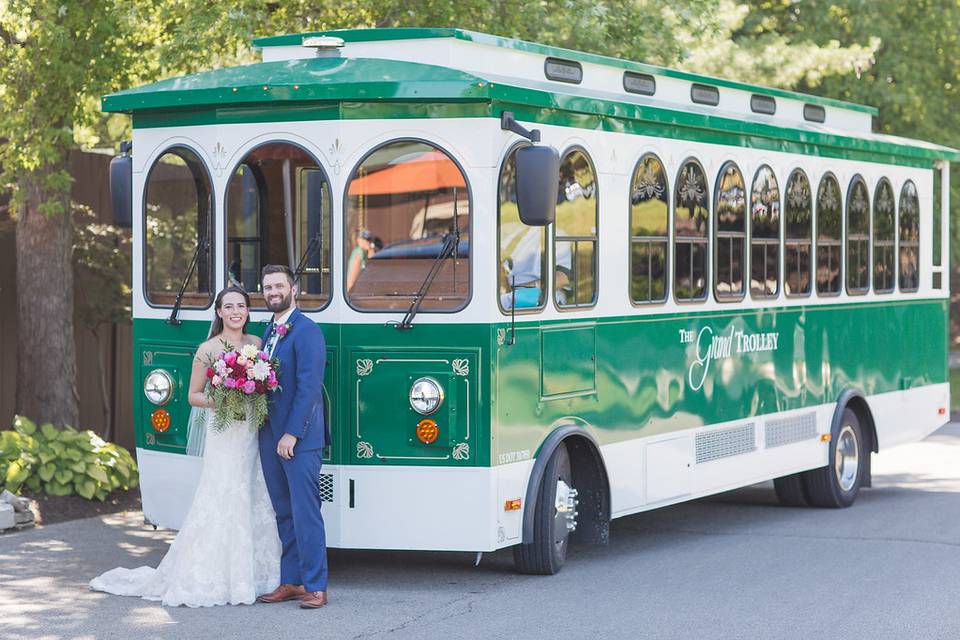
(217, 327)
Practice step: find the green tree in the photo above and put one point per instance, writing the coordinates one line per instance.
(54, 57)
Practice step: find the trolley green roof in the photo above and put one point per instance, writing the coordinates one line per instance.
(333, 87)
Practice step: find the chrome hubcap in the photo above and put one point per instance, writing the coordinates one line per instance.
(565, 518)
(847, 458)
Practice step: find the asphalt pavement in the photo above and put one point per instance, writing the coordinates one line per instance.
(735, 565)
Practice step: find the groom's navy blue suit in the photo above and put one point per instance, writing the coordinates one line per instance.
(297, 408)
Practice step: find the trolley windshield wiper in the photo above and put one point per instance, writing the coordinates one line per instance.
(173, 319)
(312, 246)
(450, 243)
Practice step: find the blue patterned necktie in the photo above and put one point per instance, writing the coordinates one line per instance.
(272, 340)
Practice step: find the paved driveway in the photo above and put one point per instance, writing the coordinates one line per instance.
(732, 566)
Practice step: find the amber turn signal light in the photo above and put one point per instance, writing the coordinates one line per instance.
(160, 420)
(427, 431)
(512, 505)
(826, 437)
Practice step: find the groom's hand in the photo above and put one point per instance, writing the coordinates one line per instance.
(286, 445)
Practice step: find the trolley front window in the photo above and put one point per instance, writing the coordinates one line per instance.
(178, 203)
(278, 212)
(407, 211)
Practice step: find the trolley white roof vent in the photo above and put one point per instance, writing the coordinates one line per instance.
(324, 46)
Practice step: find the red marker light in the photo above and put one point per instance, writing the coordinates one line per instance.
(160, 420)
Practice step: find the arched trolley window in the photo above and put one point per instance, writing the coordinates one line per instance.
(909, 238)
(278, 212)
(884, 238)
(575, 233)
(406, 204)
(691, 220)
(649, 231)
(522, 250)
(178, 219)
(829, 223)
(858, 237)
(765, 234)
(798, 234)
(729, 211)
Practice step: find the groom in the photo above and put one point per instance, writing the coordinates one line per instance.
(292, 442)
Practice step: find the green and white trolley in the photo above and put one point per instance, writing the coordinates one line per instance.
(705, 284)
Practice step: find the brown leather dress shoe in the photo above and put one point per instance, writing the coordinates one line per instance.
(313, 600)
(283, 593)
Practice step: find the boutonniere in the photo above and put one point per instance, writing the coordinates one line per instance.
(283, 329)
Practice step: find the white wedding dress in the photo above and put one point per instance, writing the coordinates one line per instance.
(228, 550)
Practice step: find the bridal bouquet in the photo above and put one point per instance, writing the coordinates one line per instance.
(239, 382)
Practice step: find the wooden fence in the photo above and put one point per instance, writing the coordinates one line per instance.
(113, 349)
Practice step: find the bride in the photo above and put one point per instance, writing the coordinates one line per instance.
(228, 550)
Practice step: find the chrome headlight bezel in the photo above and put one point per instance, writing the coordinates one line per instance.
(158, 387)
(426, 395)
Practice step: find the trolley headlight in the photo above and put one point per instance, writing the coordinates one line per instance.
(426, 396)
(158, 387)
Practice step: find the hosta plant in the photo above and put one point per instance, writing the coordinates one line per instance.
(61, 462)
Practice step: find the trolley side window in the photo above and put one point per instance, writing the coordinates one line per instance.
(178, 218)
(407, 230)
(798, 234)
(649, 231)
(909, 238)
(765, 234)
(884, 238)
(575, 233)
(691, 226)
(829, 207)
(522, 256)
(858, 237)
(278, 212)
(730, 238)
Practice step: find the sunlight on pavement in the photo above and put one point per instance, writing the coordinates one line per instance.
(931, 465)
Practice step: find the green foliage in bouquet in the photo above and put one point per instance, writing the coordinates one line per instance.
(63, 462)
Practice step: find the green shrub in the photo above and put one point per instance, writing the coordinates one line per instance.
(61, 462)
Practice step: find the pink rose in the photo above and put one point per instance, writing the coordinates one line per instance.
(272, 377)
(216, 380)
(230, 383)
(263, 355)
(249, 387)
(242, 361)
(230, 357)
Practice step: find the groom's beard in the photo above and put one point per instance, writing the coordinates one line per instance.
(282, 305)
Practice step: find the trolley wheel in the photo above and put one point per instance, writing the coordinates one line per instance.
(790, 491)
(836, 485)
(554, 520)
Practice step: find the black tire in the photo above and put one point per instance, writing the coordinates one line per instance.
(790, 491)
(547, 553)
(837, 484)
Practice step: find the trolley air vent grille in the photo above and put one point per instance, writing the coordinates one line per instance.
(793, 429)
(723, 443)
(326, 487)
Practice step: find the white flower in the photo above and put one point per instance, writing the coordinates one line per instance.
(249, 351)
(260, 371)
(220, 367)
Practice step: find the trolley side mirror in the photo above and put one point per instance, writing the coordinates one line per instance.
(538, 174)
(121, 187)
